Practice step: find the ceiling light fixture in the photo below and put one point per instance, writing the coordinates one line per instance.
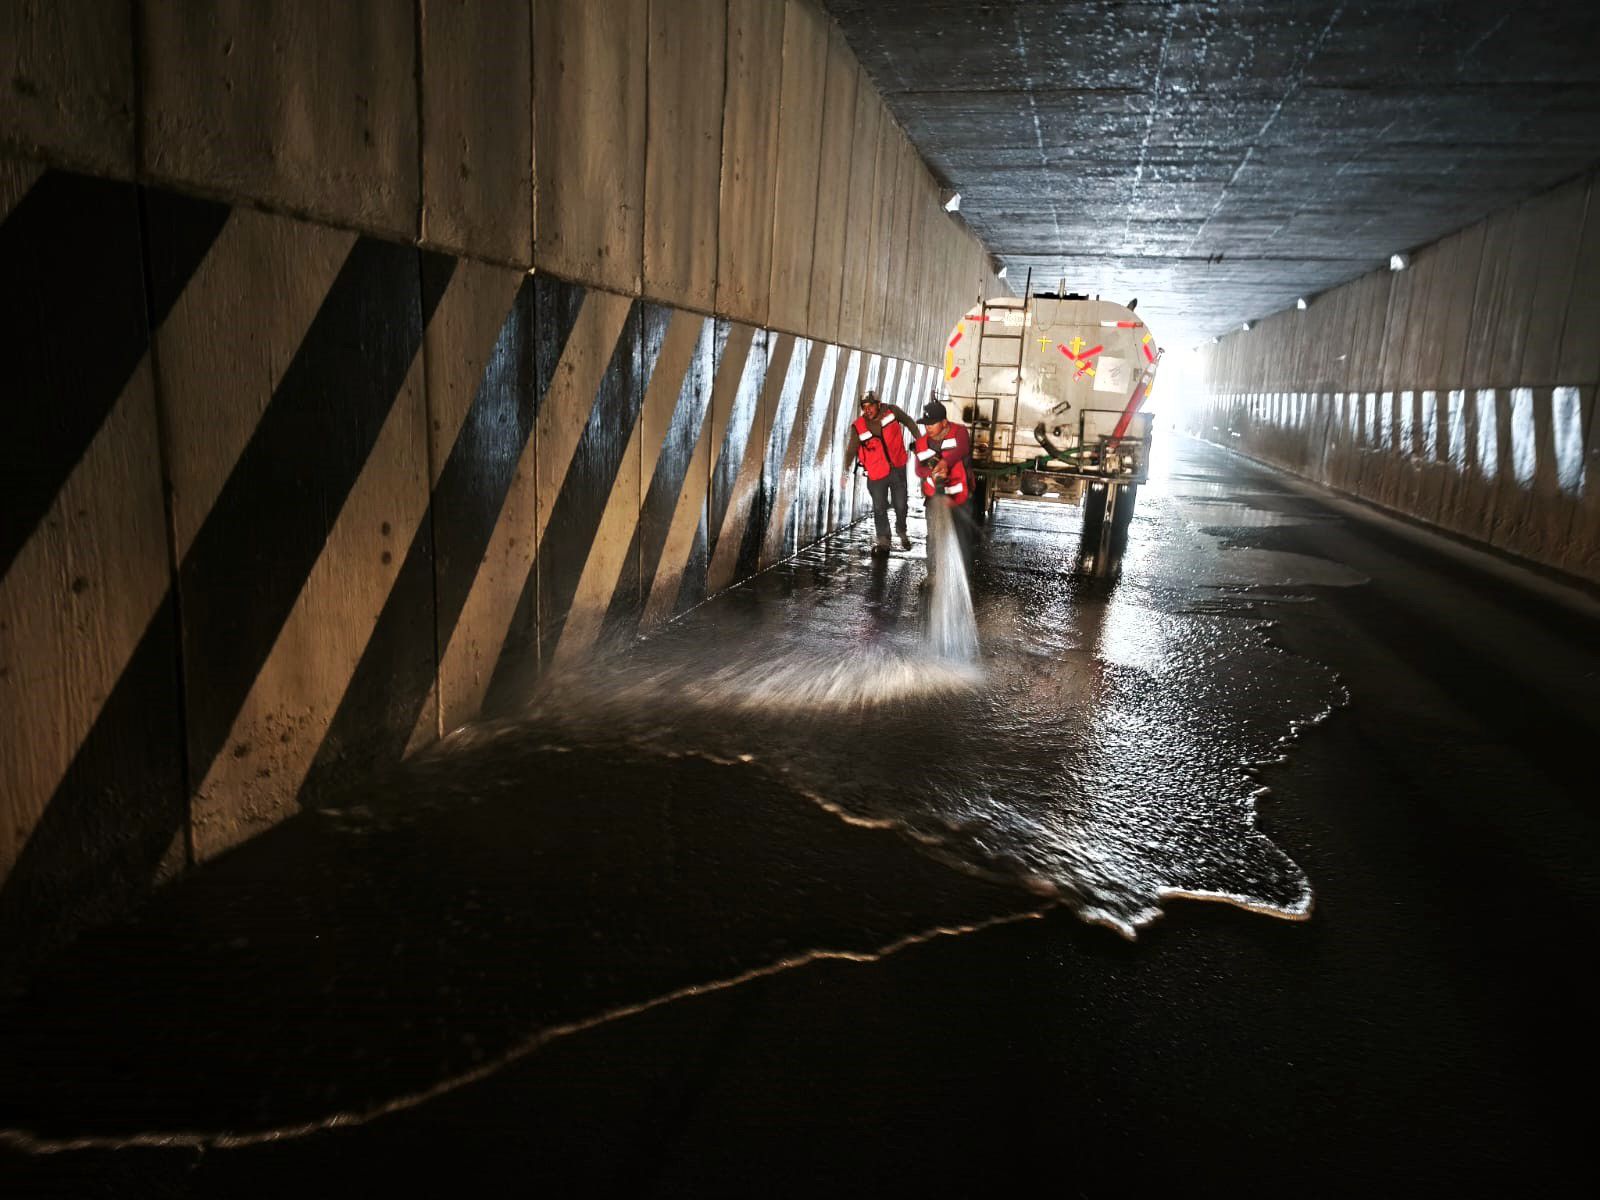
(1399, 262)
(1301, 304)
(1247, 326)
(953, 202)
(1000, 274)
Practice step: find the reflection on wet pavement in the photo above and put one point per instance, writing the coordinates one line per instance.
(1101, 752)
(786, 774)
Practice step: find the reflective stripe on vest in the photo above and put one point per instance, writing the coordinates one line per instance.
(955, 485)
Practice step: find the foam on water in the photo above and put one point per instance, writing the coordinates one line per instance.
(781, 681)
(1097, 750)
(1099, 745)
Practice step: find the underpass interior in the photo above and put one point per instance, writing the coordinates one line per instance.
(462, 727)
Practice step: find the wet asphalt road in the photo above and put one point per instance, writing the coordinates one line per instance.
(553, 960)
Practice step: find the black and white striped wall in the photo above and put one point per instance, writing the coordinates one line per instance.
(365, 359)
(286, 501)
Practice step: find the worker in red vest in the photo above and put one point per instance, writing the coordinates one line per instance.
(943, 453)
(881, 453)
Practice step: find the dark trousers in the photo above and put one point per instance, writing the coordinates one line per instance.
(893, 485)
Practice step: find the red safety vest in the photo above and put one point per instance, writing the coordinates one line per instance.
(880, 455)
(954, 488)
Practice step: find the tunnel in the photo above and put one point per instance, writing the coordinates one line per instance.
(877, 597)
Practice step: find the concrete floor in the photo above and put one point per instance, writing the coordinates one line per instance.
(685, 931)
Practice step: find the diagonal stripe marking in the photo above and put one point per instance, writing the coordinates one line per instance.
(811, 496)
(731, 428)
(673, 467)
(821, 469)
(829, 448)
(479, 397)
(70, 260)
(844, 436)
(468, 662)
(798, 444)
(598, 464)
(615, 534)
(479, 467)
(691, 507)
(112, 823)
(886, 379)
(477, 446)
(83, 600)
(251, 557)
(564, 412)
(225, 335)
(473, 332)
(747, 484)
(291, 702)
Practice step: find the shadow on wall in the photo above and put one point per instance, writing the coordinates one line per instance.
(291, 500)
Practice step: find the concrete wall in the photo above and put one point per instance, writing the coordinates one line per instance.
(362, 368)
(728, 156)
(1460, 391)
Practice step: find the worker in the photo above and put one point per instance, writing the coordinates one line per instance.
(950, 441)
(943, 453)
(881, 432)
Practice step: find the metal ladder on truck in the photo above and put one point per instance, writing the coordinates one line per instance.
(1002, 433)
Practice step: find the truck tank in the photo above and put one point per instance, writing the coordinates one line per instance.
(1053, 388)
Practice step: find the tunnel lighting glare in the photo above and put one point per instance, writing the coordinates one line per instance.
(1399, 262)
(1247, 326)
(1216, 341)
(1301, 304)
(954, 203)
(1001, 273)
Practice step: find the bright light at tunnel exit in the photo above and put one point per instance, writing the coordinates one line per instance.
(1179, 384)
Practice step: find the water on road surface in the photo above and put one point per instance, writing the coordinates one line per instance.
(783, 877)
(1096, 744)
(952, 628)
(830, 761)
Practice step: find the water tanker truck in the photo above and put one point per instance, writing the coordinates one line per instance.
(1053, 388)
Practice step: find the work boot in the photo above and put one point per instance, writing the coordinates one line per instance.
(880, 548)
(905, 540)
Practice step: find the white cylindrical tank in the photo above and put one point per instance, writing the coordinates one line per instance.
(1012, 366)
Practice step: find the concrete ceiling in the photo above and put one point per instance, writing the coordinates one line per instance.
(1217, 160)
